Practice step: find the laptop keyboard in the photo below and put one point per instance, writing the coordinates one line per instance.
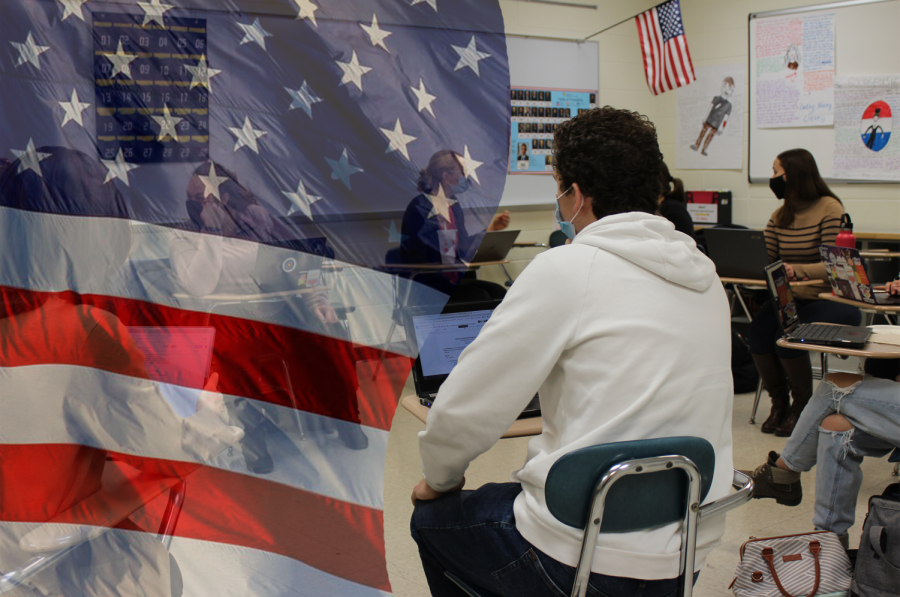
(815, 331)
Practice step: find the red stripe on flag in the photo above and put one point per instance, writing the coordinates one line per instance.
(685, 78)
(256, 360)
(687, 54)
(652, 52)
(342, 539)
(644, 54)
(661, 50)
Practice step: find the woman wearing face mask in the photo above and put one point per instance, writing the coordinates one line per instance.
(810, 216)
(435, 231)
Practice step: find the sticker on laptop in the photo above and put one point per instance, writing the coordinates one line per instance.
(289, 265)
(313, 278)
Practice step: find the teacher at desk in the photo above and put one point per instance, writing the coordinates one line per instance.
(810, 216)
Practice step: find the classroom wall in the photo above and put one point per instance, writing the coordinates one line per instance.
(717, 34)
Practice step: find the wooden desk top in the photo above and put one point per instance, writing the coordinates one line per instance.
(827, 296)
(528, 244)
(233, 298)
(875, 254)
(749, 282)
(442, 267)
(521, 428)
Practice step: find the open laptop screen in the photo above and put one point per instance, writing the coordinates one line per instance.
(780, 287)
(174, 355)
(441, 338)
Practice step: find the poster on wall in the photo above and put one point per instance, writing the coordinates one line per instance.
(865, 108)
(794, 78)
(535, 115)
(709, 119)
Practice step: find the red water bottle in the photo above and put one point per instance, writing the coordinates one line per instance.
(845, 237)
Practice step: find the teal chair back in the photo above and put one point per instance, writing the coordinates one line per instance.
(635, 502)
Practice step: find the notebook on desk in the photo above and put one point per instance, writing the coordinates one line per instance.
(849, 279)
(811, 333)
(441, 338)
(737, 253)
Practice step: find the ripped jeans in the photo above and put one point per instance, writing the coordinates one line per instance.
(872, 406)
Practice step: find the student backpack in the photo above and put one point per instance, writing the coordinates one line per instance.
(877, 571)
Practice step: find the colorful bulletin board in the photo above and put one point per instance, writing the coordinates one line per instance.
(535, 114)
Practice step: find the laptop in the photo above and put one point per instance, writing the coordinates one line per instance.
(844, 336)
(278, 269)
(737, 253)
(495, 245)
(440, 338)
(179, 356)
(848, 277)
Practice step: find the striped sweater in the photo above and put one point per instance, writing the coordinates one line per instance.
(799, 243)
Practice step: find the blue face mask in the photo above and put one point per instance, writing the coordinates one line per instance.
(461, 187)
(568, 228)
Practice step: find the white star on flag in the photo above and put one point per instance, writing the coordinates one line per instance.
(118, 168)
(470, 167)
(301, 200)
(398, 140)
(30, 158)
(166, 124)
(212, 182)
(431, 3)
(254, 34)
(303, 98)
(425, 98)
(353, 71)
(121, 62)
(201, 74)
(72, 8)
(342, 169)
(440, 204)
(74, 110)
(470, 56)
(307, 10)
(376, 34)
(154, 11)
(247, 136)
(29, 52)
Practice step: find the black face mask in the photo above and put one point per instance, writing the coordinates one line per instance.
(194, 209)
(778, 185)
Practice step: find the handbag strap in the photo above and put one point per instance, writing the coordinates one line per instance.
(876, 539)
(769, 556)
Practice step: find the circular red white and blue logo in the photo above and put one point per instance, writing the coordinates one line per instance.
(875, 126)
(289, 265)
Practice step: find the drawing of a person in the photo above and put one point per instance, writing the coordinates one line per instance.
(717, 117)
(873, 130)
(792, 62)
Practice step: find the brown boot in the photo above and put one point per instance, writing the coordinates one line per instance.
(769, 481)
(775, 383)
(799, 372)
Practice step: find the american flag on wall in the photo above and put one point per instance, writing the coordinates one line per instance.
(196, 198)
(667, 60)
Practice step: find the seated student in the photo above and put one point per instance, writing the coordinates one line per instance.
(809, 217)
(672, 203)
(849, 417)
(581, 325)
(435, 230)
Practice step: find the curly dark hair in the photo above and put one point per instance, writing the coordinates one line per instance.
(614, 157)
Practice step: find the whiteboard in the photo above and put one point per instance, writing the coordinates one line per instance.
(866, 43)
(542, 64)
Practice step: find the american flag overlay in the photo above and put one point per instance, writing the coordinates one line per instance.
(198, 204)
(667, 61)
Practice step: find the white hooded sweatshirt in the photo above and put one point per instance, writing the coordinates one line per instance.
(626, 333)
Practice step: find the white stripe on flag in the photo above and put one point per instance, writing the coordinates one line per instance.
(646, 48)
(318, 464)
(664, 80)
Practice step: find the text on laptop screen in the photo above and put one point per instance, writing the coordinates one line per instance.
(441, 338)
(176, 355)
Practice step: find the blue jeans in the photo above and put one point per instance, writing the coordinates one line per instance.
(473, 535)
(873, 408)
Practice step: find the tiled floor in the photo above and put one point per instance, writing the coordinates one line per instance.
(759, 518)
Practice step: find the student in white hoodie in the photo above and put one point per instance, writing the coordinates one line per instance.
(625, 333)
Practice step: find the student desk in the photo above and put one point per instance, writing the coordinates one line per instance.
(213, 301)
(871, 350)
(885, 310)
(520, 428)
(746, 282)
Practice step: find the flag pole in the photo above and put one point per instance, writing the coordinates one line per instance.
(584, 39)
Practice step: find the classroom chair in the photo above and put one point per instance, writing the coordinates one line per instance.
(557, 238)
(124, 491)
(625, 485)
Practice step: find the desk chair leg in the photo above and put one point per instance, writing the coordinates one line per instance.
(740, 298)
(896, 471)
(290, 389)
(171, 514)
(759, 388)
(509, 280)
(823, 359)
